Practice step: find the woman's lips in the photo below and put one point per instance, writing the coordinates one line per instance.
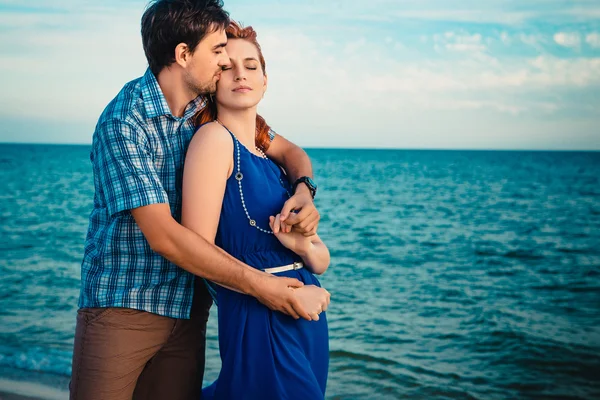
(242, 89)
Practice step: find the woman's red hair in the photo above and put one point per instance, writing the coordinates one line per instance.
(209, 113)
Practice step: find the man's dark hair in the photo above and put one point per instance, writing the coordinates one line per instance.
(166, 23)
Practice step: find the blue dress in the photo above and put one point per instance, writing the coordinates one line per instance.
(265, 354)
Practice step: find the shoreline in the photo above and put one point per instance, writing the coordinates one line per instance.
(12, 396)
(18, 389)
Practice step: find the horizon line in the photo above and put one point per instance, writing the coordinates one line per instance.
(362, 148)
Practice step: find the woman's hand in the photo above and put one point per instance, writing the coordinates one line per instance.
(313, 299)
(293, 240)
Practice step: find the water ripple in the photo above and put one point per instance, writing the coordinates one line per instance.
(455, 275)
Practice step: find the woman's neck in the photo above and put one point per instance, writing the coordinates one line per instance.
(242, 123)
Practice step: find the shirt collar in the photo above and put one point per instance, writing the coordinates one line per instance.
(154, 99)
(156, 104)
(194, 106)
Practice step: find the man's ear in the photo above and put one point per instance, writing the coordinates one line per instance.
(182, 55)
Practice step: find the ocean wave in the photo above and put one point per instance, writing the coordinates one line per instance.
(37, 359)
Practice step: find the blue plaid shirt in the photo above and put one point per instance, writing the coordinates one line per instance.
(138, 153)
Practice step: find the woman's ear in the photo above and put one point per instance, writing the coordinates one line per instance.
(266, 80)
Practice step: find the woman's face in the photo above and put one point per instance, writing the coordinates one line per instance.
(242, 82)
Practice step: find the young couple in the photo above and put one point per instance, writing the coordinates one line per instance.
(189, 183)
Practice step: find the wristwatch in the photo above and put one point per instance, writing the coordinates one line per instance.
(312, 186)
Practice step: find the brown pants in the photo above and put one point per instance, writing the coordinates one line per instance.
(124, 354)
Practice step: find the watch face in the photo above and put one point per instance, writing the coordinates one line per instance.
(311, 183)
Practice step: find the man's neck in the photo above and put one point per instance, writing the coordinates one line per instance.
(241, 122)
(176, 93)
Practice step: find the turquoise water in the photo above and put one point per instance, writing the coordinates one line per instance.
(455, 274)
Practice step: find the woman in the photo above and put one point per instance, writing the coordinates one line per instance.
(231, 195)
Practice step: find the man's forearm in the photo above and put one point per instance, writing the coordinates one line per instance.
(297, 164)
(193, 253)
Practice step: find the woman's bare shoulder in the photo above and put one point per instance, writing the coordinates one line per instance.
(211, 137)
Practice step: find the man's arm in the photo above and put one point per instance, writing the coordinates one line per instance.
(296, 163)
(291, 157)
(193, 253)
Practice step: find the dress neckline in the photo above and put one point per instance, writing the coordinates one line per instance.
(241, 144)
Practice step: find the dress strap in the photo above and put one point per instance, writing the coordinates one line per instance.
(235, 139)
(236, 147)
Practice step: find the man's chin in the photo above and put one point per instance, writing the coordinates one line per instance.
(208, 89)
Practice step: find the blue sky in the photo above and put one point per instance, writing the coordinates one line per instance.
(381, 73)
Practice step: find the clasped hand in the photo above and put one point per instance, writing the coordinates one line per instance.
(300, 213)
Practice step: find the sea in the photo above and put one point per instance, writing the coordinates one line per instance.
(454, 274)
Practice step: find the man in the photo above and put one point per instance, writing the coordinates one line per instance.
(142, 320)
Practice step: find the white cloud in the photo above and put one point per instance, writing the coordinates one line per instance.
(71, 72)
(355, 45)
(531, 39)
(541, 73)
(473, 15)
(495, 11)
(362, 77)
(573, 72)
(399, 46)
(459, 42)
(567, 39)
(470, 43)
(536, 41)
(501, 12)
(384, 89)
(593, 39)
(323, 90)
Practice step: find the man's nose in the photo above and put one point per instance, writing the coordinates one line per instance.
(224, 60)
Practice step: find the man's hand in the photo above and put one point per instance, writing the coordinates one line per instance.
(278, 294)
(305, 218)
(314, 299)
(294, 240)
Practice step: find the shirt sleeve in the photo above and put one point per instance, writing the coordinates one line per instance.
(124, 168)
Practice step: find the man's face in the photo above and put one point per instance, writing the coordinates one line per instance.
(204, 69)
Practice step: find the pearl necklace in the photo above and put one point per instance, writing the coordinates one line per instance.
(239, 177)
(260, 154)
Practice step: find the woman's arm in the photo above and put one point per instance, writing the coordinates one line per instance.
(208, 165)
(316, 255)
(313, 251)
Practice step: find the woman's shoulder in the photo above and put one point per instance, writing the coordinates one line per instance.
(212, 137)
(210, 150)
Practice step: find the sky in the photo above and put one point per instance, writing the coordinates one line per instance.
(426, 74)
